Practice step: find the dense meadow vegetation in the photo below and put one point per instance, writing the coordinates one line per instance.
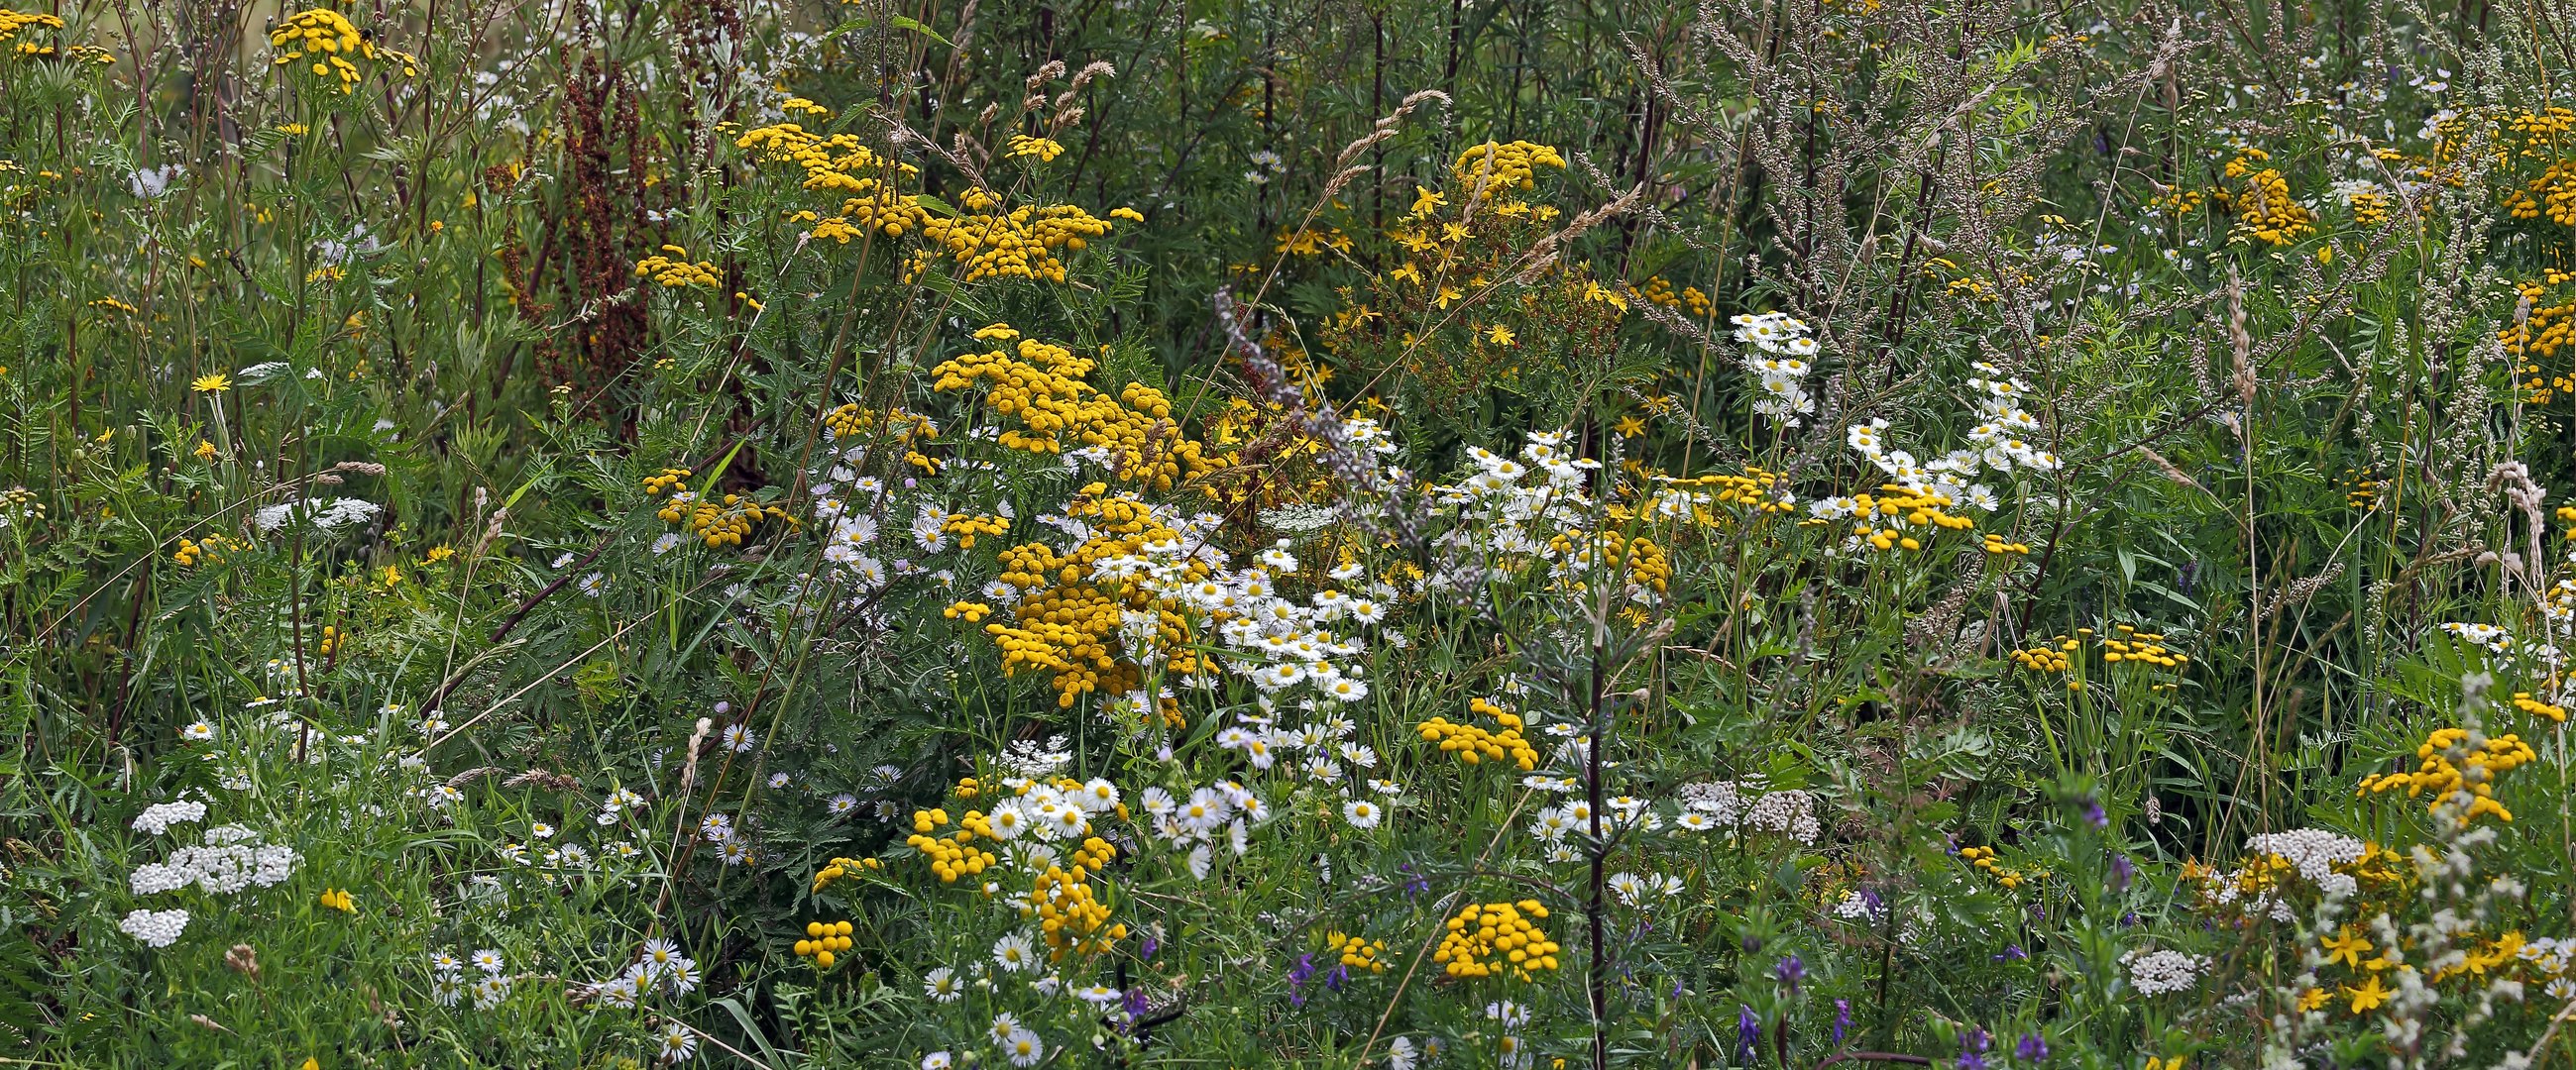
(1324, 533)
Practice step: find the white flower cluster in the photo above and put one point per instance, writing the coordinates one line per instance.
(325, 515)
(1192, 823)
(1034, 760)
(1633, 890)
(613, 808)
(158, 817)
(2313, 853)
(219, 869)
(448, 984)
(2496, 640)
(850, 515)
(1553, 825)
(2156, 973)
(1788, 813)
(660, 966)
(156, 928)
(1046, 813)
(1506, 520)
(2553, 957)
(1781, 358)
(1868, 909)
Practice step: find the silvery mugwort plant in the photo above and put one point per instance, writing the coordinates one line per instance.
(1399, 535)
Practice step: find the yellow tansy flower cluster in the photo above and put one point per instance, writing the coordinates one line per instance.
(2041, 659)
(718, 521)
(1071, 627)
(322, 41)
(966, 526)
(1473, 744)
(987, 242)
(951, 854)
(1044, 148)
(668, 480)
(839, 163)
(2523, 701)
(2552, 194)
(910, 430)
(1043, 387)
(1358, 953)
(823, 939)
(1658, 290)
(2134, 645)
(842, 867)
(1069, 914)
(2451, 765)
(1504, 167)
(1484, 938)
(2266, 211)
(673, 270)
(1645, 563)
(1984, 859)
(12, 22)
(1904, 509)
(213, 548)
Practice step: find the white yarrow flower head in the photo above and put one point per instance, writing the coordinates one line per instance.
(155, 928)
(158, 818)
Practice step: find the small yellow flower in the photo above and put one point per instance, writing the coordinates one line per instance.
(1629, 426)
(1500, 335)
(205, 450)
(2369, 995)
(211, 383)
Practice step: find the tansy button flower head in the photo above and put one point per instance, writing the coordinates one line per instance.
(1491, 939)
(321, 43)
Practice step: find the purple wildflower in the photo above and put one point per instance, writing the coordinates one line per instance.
(1298, 975)
(1790, 971)
(1748, 1031)
(1842, 1019)
(2031, 1049)
(2012, 953)
(2122, 872)
(1973, 1046)
(2094, 815)
(1148, 947)
(1414, 883)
